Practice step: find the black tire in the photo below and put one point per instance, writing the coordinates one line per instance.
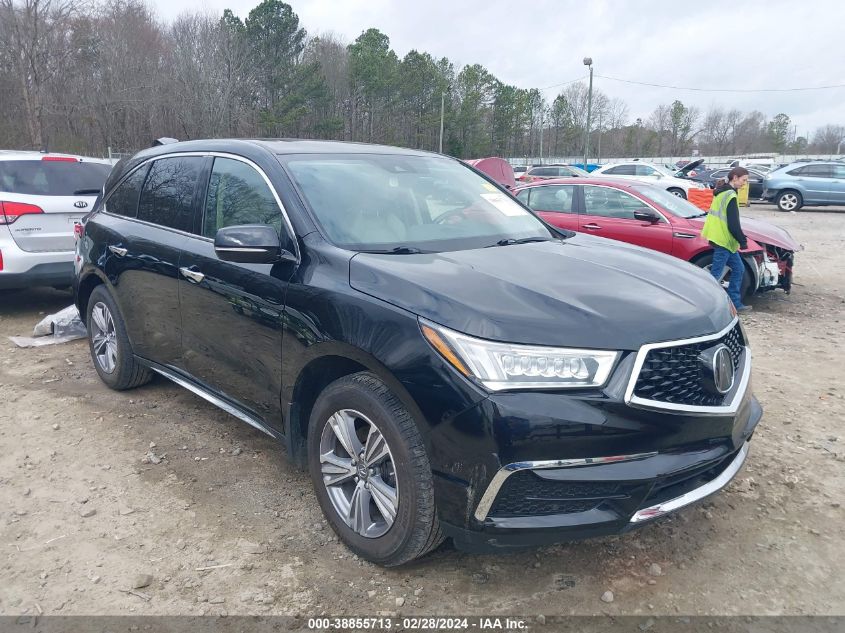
(678, 192)
(705, 261)
(789, 200)
(127, 372)
(415, 530)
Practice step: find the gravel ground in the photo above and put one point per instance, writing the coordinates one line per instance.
(154, 502)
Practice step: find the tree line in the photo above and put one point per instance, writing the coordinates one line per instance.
(81, 77)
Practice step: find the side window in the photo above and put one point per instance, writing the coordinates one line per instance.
(557, 199)
(819, 171)
(238, 194)
(565, 172)
(839, 171)
(801, 171)
(621, 170)
(543, 171)
(168, 193)
(523, 195)
(645, 170)
(611, 203)
(124, 199)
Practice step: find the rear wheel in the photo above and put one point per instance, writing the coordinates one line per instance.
(678, 192)
(789, 201)
(371, 472)
(706, 261)
(110, 348)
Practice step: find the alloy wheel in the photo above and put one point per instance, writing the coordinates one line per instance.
(358, 473)
(103, 337)
(788, 201)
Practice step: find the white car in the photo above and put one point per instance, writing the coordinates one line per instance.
(650, 173)
(42, 197)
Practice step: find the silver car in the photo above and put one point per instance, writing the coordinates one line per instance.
(817, 183)
(42, 197)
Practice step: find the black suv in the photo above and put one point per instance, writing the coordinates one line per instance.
(443, 362)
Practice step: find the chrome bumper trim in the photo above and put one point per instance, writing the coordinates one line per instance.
(483, 508)
(692, 496)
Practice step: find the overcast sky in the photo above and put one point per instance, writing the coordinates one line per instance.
(537, 43)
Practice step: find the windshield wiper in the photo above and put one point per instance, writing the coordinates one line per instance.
(525, 240)
(700, 215)
(399, 250)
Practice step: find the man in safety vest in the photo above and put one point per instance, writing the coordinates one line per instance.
(725, 234)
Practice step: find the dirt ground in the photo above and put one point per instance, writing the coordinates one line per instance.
(223, 524)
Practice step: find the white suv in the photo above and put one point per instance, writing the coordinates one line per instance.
(653, 174)
(42, 196)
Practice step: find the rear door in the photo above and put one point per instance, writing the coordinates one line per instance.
(837, 185)
(609, 213)
(556, 204)
(815, 182)
(146, 233)
(46, 196)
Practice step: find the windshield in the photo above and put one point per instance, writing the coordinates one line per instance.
(386, 202)
(51, 178)
(578, 172)
(672, 203)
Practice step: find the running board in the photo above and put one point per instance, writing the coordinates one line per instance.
(214, 399)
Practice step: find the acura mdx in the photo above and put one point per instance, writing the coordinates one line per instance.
(443, 362)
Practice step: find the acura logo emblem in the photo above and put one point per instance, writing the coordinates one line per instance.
(80, 204)
(717, 369)
(723, 370)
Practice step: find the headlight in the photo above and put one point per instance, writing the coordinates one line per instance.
(500, 366)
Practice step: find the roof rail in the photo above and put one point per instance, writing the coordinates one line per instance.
(164, 140)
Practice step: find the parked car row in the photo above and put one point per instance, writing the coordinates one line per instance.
(442, 360)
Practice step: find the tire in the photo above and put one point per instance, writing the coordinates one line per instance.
(678, 192)
(112, 352)
(363, 405)
(705, 261)
(789, 200)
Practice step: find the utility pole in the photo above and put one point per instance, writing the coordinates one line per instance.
(442, 113)
(588, 61)
(541, 136)
(598, 158)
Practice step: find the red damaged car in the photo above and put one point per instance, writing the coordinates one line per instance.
(645, 215)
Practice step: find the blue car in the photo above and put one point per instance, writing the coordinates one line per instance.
(817, 183)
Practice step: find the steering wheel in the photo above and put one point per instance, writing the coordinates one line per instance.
(455, 216)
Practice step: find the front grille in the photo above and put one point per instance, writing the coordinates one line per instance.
(674, 374)
(526, 494)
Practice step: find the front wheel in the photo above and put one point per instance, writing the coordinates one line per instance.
(706, 262)
(371, 473)
(678, 192)
(789, 201)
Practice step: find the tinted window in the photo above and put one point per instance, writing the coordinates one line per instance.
(543, 171)
(238, 194)
(51, 178)
(610, 203)
(558, 198)
(621, 170)
(644, 170)
(797, 172)
(819, 171)
(168, 193)
(124, 199)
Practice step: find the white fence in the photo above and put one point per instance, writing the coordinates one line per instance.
(670, 160)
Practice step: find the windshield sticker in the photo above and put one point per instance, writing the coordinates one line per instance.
(503, 203)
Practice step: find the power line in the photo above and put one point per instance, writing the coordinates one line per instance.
(565, 83)
(644, 83)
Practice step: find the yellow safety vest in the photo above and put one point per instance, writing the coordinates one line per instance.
(716, 225)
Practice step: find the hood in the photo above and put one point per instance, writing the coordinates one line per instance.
(686, 169)
(762, 232)
(582, 292)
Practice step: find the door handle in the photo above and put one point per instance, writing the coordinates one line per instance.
(192, 275)
(120, 252)
(592, 226)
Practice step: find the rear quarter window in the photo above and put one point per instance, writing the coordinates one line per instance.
(51, 178)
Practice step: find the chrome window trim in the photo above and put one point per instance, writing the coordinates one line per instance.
(288, 224)
(648, 204)
(486, 503)
(655, 405)
(652, 512)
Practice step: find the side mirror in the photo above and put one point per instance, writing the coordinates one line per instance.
(657, 175)
(249, 244)
(646, 216)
